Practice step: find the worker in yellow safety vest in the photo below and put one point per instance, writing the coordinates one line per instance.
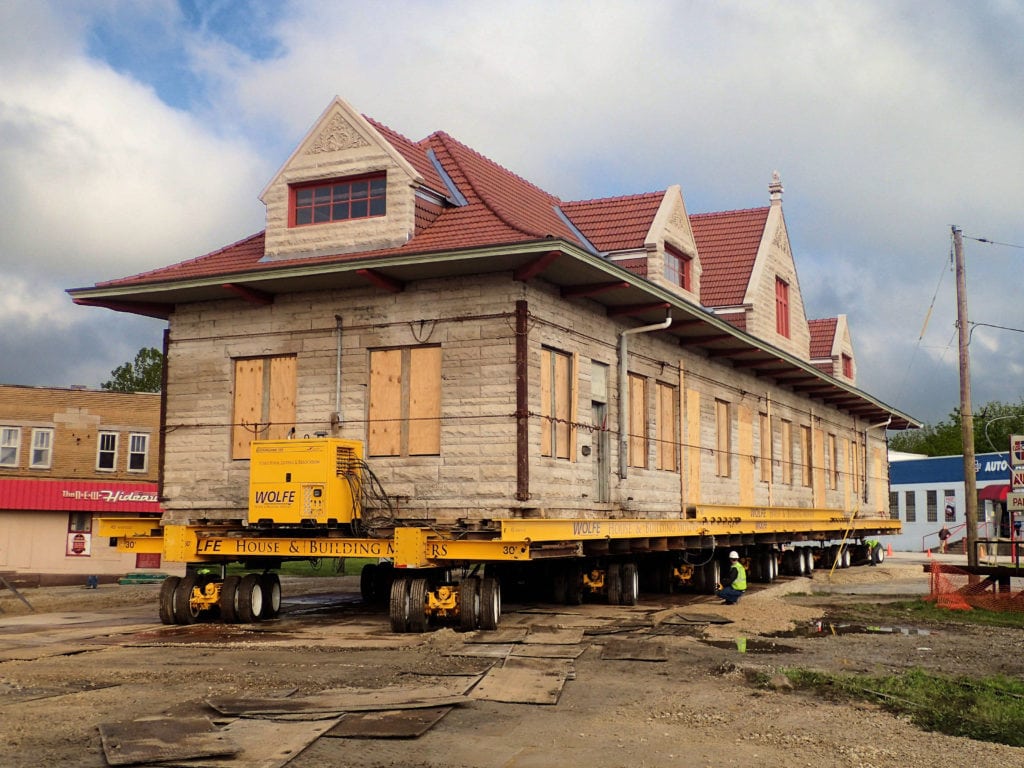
(734, 583)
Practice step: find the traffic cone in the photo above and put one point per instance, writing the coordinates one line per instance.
(888, 550)
(927, 553)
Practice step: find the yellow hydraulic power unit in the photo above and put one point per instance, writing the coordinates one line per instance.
(309, 482)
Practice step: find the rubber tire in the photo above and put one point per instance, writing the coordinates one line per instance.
(568, 586)
(878, 555)
(398, 605)
(845, 557)
(418, 589)
(249, 599)
(166, 604)
(833, 559)
(773, 565)
(808, 555)
(228, 600)
(270, 583)
(184, 613)
(469, 603)
(630, 584)
(490, 604)
(613, 583)
(368, 583)
(712, 575)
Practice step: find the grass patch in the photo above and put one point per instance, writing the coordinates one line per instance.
(986, 709)
(923, 611)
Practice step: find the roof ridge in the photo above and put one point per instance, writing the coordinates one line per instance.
(708, 214)
(504, 215)
(635, 196)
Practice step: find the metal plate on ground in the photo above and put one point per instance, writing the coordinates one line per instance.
(554, 636)
(264, 743)
(519, 684)
(388, 724)
(695, 618)
(162, 739)
(633, 650)
(513, 635)
(490, 651)
(355, 700)
(549, 651)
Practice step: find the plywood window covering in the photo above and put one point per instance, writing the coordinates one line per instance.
(765, 438)
(264, 401)
(678, 268)
(404, 416)
(723, 438)
(806, 456)
(833, 454)
(787, 451)
(781, 307)
(666, 419)
(855, 466)
(847, 366)
(558, 394)
(637, 421)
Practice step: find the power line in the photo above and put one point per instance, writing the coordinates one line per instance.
(991, 242)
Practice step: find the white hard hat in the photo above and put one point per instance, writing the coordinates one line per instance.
(734, 555)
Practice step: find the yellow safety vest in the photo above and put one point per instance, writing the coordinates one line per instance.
(740, 583)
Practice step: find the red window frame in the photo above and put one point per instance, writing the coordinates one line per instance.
(781, 307)
(323, 202)
(847, 366)
(678, 268)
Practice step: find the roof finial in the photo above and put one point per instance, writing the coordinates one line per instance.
(775, 188)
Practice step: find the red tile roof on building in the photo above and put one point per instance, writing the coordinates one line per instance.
(823, 335)
(615, 223)
(727, 244)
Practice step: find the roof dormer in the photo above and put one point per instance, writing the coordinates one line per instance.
(344, 189)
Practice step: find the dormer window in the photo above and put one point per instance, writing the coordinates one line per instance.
(677, 268)
(360, 197)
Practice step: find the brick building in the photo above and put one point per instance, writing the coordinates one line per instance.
(68, 456)
(501, 352)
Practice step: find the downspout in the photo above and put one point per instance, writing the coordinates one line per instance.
(623, 389)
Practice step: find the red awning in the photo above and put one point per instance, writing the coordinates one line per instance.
(77, 496)
(993, 493)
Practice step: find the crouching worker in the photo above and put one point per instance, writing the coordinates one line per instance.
(734, 583)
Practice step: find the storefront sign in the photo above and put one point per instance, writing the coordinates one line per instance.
(1017, 450)
(78, 496)
(1015, 502)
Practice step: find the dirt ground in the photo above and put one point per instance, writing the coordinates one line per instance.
(87, 657)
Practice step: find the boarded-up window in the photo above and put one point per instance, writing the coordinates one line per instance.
(667, 421)
(723, 438)
(558, 404)
(855, 467)
(765, 438)
(637, 421)
(806, 455)
(833, 452)
(264, 407)
(405, 402)
(787, 451)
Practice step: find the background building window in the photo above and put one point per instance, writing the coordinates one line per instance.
(340, 200)
(106, 454)
(42, 449)
(894, 505)
(138, 452)
(910, 505)
(405, 402)
(10, 446)
(932, 506)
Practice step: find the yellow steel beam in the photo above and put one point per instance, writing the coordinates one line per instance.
(115, 527)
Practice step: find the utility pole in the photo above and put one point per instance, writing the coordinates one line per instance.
(966, 415)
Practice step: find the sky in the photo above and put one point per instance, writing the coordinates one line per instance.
(139, 133)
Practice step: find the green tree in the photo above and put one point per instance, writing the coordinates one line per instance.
(994, 422)
(144, 374)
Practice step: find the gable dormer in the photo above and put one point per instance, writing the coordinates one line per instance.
(672, 260)
(344, 189)
(773, 291)
(832, 349)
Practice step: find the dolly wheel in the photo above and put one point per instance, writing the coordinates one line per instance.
(167, 588)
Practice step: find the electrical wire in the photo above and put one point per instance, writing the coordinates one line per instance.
(991, 242)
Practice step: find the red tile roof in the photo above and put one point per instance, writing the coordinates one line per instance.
(823, 335)
(615, 223)
(727, 244)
